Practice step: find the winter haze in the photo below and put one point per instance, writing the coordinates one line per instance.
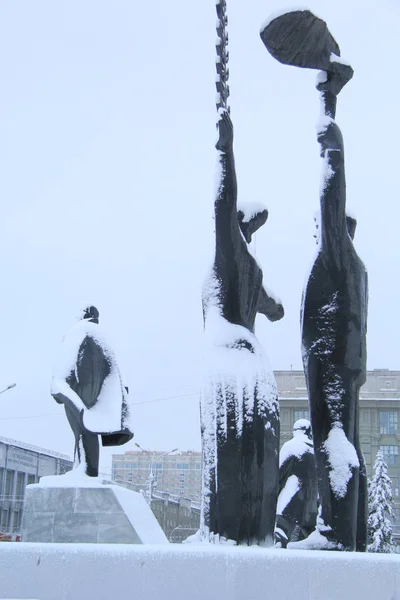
(107, 180)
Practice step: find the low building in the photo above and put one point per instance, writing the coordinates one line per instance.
(179, 517)
(20, 465)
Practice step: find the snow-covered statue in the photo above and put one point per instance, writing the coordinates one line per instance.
(296, 509)
(87, 381)
(334, 326)
(239, 404)
(334, 308)
(239, 407)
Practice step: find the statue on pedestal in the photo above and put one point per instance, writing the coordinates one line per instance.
(239, 404)
(334, 307)
(88, 382)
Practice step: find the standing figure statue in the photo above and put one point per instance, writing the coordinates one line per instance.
(239, 406)
(88, 382)
(334, 307)
(296, 509)
(334, 327)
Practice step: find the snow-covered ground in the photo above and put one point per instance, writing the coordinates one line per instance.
(175, 572)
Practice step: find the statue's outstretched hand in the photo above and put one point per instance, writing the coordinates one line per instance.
(335, 78)
(225, 130)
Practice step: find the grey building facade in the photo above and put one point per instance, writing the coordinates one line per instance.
(20, 465)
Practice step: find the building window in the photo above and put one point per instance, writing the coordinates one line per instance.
(390, 455)
(304, 413)
(181, 466)
(15, 526)
(4, 520)
(31, 479)
(20, 491)
(9, 483)
(198, 466)
(388, 421)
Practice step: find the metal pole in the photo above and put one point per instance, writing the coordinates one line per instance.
(151, 478)
(151, 474)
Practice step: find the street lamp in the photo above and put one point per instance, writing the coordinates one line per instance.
(12, 385)
(152, 459)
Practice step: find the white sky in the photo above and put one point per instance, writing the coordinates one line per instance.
(107, 131)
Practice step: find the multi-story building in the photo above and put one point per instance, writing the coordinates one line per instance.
(379, 419)
(179, 474)
(20, 465)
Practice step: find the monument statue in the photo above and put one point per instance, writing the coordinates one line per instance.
(239, 405)
(88, 382)
(296, 510)
(79, 506)
(334, 308)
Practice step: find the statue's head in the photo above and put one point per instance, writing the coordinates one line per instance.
(251, 218)
(350, 221)
(91, 314)
(303, 426)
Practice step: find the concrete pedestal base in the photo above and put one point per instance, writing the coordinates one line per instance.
(90, 512)
(190, 572)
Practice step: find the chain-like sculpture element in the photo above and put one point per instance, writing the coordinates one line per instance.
(222, 58)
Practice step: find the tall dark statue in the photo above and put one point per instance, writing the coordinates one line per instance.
(296, 510)
(334, 310)
(334, 326)
(88, 382)
(239, 405)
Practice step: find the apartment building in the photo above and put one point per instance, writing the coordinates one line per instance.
(178, 473)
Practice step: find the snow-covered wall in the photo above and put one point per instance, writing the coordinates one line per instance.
(175, 572)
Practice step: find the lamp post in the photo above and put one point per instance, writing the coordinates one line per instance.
(12, 385)
(152, 458)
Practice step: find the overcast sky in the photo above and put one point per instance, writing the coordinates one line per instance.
(107, 131)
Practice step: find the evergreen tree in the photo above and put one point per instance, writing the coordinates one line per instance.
(380, 509)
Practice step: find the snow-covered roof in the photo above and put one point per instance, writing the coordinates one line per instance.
(24, 446)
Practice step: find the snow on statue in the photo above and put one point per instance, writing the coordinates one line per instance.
(87, 381)
(296, 510)
(380, 509)
(239, 405)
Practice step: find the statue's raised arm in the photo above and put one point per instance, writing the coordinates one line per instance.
(334, 232)
(225, 207)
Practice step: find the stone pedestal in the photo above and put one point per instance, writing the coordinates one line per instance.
(87, 511)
